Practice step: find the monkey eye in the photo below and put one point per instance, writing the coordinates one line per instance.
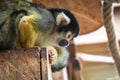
(69, 36)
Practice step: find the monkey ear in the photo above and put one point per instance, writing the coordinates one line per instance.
(62, 19)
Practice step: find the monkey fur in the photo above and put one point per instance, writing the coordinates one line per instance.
(24, 25)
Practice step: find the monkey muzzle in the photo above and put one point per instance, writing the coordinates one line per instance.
(63, 43)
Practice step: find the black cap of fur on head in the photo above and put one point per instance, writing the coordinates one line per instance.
(73, 26)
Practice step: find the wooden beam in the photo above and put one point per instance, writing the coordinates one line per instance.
(45, 68)
(20, 64)
(25, 64)
(95, 49)
(74, 64)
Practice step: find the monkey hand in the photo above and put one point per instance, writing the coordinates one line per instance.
(52, 53)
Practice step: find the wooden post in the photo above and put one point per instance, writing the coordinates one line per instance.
(74, 65)
(24, 64)
(44, 65)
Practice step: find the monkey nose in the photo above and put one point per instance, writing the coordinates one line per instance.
(63, 43)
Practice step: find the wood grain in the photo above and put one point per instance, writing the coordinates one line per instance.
(20, 64)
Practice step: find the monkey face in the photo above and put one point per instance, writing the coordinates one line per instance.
(66, 28)
(65, 39)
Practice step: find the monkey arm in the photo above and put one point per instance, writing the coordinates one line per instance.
(6, 30)
(27, 32)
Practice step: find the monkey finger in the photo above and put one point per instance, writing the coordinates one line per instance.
(52, 52)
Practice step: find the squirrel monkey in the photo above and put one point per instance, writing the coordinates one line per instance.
(24, 25)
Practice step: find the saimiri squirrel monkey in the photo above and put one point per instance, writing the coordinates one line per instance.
(24, 25)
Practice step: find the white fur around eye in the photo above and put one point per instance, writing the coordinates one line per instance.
(62, 16)
(69, 35)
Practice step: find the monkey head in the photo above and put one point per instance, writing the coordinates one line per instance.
(66, 27)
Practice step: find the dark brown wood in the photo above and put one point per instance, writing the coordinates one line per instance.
(20, 64)
(76, 72)
(74, 69)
